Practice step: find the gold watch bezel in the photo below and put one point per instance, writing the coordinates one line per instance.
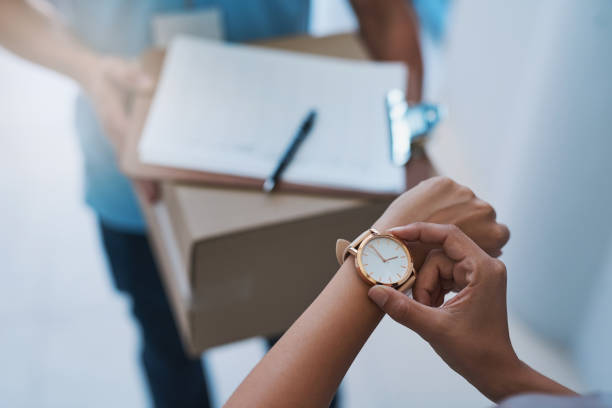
(367, 278)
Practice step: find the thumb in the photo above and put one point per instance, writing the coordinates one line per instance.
(424, 320)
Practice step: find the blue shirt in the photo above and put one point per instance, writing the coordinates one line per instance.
(123, 27)
(432, 16)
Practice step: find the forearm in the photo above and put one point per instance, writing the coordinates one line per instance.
(390, 31)
(378, 19)
(38, 38)
(308, 363)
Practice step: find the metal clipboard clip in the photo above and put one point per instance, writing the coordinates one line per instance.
(409, 123)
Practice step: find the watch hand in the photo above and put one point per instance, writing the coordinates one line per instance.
(397, 256)
(378, 253)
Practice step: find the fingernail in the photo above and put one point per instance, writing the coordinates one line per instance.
(378, 296)
(400, 227)
(393, 230)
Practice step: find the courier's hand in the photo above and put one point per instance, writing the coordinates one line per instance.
(112, 83)
(470, 331)
(441, 200)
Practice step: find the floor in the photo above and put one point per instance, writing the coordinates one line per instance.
(67, 339)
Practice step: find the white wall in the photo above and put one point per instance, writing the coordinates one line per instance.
(594, 335)
(530, 96)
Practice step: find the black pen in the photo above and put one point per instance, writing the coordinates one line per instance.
(285, 159)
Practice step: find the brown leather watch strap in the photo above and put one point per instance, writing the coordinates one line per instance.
(406, 286)
(341, 245)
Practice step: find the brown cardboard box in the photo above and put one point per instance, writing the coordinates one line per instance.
(239, 263)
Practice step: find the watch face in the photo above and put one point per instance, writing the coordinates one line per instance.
(385, 259)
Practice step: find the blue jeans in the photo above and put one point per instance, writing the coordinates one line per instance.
(174, 379)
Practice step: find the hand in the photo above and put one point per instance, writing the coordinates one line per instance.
(149, 189)
(470, 331)
(111, 83)
(443, 201)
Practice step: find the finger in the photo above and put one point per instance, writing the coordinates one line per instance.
(495, 253)
(432, 277)
(130, 77)
(150, 190)
(453, 241)
(490, 236)
(423, 319)
(502, 236)
(476, 218)
(499, 235)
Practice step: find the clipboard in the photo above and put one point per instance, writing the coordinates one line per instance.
(343, 46)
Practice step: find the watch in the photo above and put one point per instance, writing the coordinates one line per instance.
(380, 259)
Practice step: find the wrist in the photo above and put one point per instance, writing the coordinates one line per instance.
(505, 380)
(520, 378)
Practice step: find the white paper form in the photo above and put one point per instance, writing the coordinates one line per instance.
(233, 109)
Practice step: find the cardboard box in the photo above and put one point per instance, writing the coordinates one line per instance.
(237, 263)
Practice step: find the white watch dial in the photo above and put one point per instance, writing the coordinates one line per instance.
(385, 260)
